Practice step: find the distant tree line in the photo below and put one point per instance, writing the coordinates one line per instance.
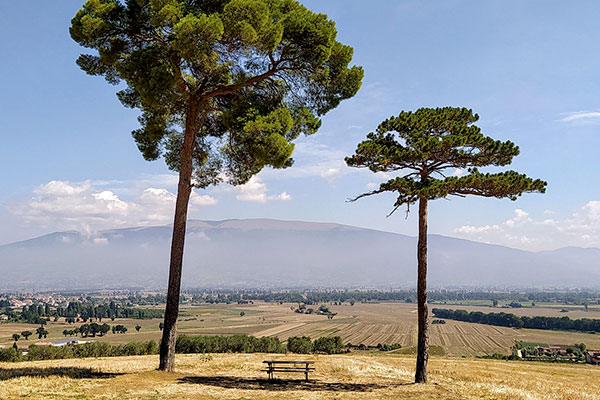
(314, 297)
(530, 352)
(380, 347)
(251, 344)
(86, 330)
(304, 345)
(112, 310)
(90, 349)
(331, 345)
(322, 310)
(76, 311)
(228, 344)
(149, 299)
(125, 307)
(188, 344)
(514, 321)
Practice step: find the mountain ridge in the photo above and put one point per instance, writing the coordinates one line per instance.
(219, 223)
(267, 252)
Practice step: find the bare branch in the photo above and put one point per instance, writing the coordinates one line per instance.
(360, 196)
(394, 210)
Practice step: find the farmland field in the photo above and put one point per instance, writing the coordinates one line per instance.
(368, 324)
(349, 376)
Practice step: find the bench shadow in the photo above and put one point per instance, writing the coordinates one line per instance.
(70, 372)
(234, 382)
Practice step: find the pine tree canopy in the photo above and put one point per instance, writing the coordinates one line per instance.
(425, 144)
(252, 74)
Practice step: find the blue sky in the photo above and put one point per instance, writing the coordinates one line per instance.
(530, 69)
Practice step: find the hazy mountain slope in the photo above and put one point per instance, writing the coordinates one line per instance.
(266, 252)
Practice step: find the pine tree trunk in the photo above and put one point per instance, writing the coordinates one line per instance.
(184, 189)
(423, 334)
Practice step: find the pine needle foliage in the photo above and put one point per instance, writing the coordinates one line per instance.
(424, 145)
(247, 76)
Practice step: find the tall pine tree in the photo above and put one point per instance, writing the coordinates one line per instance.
(223, 86)
(422, 146)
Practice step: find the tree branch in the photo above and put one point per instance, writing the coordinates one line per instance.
(181, 83)
(360, 196)
(234, 88)
(274, 69)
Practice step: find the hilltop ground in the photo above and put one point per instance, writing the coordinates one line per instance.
(238, 376)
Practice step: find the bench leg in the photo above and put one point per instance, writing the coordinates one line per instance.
(306, 376)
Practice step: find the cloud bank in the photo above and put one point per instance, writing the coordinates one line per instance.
(256, 191)
(86, 205)
(582, 116)
(521, 230)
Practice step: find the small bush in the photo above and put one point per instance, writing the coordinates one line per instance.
(10, 355)
(329, 345)
(389, 347)
(300, 345)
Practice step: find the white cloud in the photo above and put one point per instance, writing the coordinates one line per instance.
(256, 191)
(330, 172)
(313, 159)
(317, 160)
(458, 172)
(111, 200)
(198, 235)
(520, 218)
(61, 188)
(157, 197)
(592, 209)
(284, 196)
(582, 116)
(202, 200)
(83, 206)
(468, 229)
(383, 176)
(581, 228)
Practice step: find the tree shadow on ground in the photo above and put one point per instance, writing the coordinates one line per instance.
(234, 382)
(70, 372)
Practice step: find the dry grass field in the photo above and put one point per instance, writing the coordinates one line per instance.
(369, 324)
(238, 376)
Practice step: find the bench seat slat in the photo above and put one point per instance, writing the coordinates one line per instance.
(289, 369)
(288, 362)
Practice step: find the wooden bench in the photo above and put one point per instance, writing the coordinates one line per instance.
(288, 366)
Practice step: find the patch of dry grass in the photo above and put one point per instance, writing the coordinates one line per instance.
(238, 376)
